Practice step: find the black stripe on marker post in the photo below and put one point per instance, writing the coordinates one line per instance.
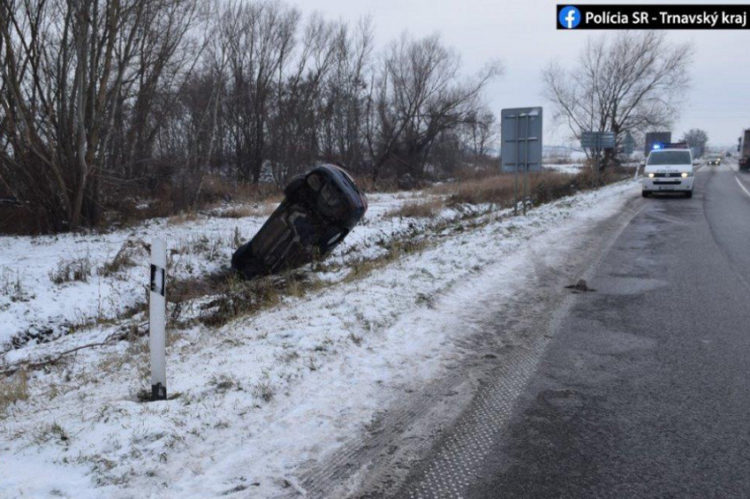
(158, 275)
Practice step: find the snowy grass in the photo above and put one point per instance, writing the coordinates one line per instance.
(14, 389)
(254, 397)
(429, 208)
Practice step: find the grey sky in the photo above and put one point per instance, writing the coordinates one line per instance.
(522, 35)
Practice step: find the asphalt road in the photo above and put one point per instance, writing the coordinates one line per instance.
(644, 390)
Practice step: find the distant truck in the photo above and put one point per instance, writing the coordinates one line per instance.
(743, 148)
(656, 140)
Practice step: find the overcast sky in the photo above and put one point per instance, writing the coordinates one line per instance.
(522, 35)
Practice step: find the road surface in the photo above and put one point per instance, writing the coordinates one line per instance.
(643, 389)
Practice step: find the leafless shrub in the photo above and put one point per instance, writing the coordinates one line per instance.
(546, 187)
(78, 269)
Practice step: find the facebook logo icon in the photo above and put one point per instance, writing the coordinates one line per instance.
(569, 17)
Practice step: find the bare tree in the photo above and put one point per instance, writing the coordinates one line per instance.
(259, 39)
(627, 83)
(480, 129)
(696, 140)
(343, 99)
(299, 104)
(103, 102)
(419, 95)
(69, 69)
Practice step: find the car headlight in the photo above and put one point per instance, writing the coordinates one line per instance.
(685, 174)
(650, 175)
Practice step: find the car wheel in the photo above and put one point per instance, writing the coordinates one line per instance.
(645, 194)
(689, 194)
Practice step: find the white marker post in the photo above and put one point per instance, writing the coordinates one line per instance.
(157, 320)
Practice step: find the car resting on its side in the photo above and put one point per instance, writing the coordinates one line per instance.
(669, 170)
(319, 209)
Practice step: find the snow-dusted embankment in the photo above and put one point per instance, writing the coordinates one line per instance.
(261, 397)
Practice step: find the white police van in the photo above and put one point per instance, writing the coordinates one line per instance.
(669, 170)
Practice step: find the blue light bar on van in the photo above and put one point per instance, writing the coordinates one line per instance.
(656, 146)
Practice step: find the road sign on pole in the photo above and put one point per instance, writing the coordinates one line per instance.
(157, 319)
(597, 141)
(521, 146)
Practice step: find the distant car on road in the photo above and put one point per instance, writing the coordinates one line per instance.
(715, 161)
(669, 170)
(318, 211)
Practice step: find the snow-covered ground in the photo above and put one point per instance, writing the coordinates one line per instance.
(33, 306)
(571, 168)
(258, 399)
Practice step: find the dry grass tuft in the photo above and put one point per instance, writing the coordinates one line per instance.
(263, 390)
(216, 188)
(132, 249)
(256, 210)
(235, 297)
(11, 285)
(236, 212)
(497, 190)
(395, 251)
(182, 217)
(51, 433)
(13, 388)
(427, 209)
(543, 187)
(78, 269)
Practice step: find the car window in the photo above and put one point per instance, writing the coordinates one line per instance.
(314, 181)
(669, 158)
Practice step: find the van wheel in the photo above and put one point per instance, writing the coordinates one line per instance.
(645, 194)
(689, 194)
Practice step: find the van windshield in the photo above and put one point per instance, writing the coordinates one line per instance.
(669, 158)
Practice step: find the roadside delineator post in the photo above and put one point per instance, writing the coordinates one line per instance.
(157, 319)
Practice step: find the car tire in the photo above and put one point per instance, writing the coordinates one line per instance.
(689, 194)
(646, 194)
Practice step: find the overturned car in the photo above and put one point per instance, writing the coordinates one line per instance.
(319, 209)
